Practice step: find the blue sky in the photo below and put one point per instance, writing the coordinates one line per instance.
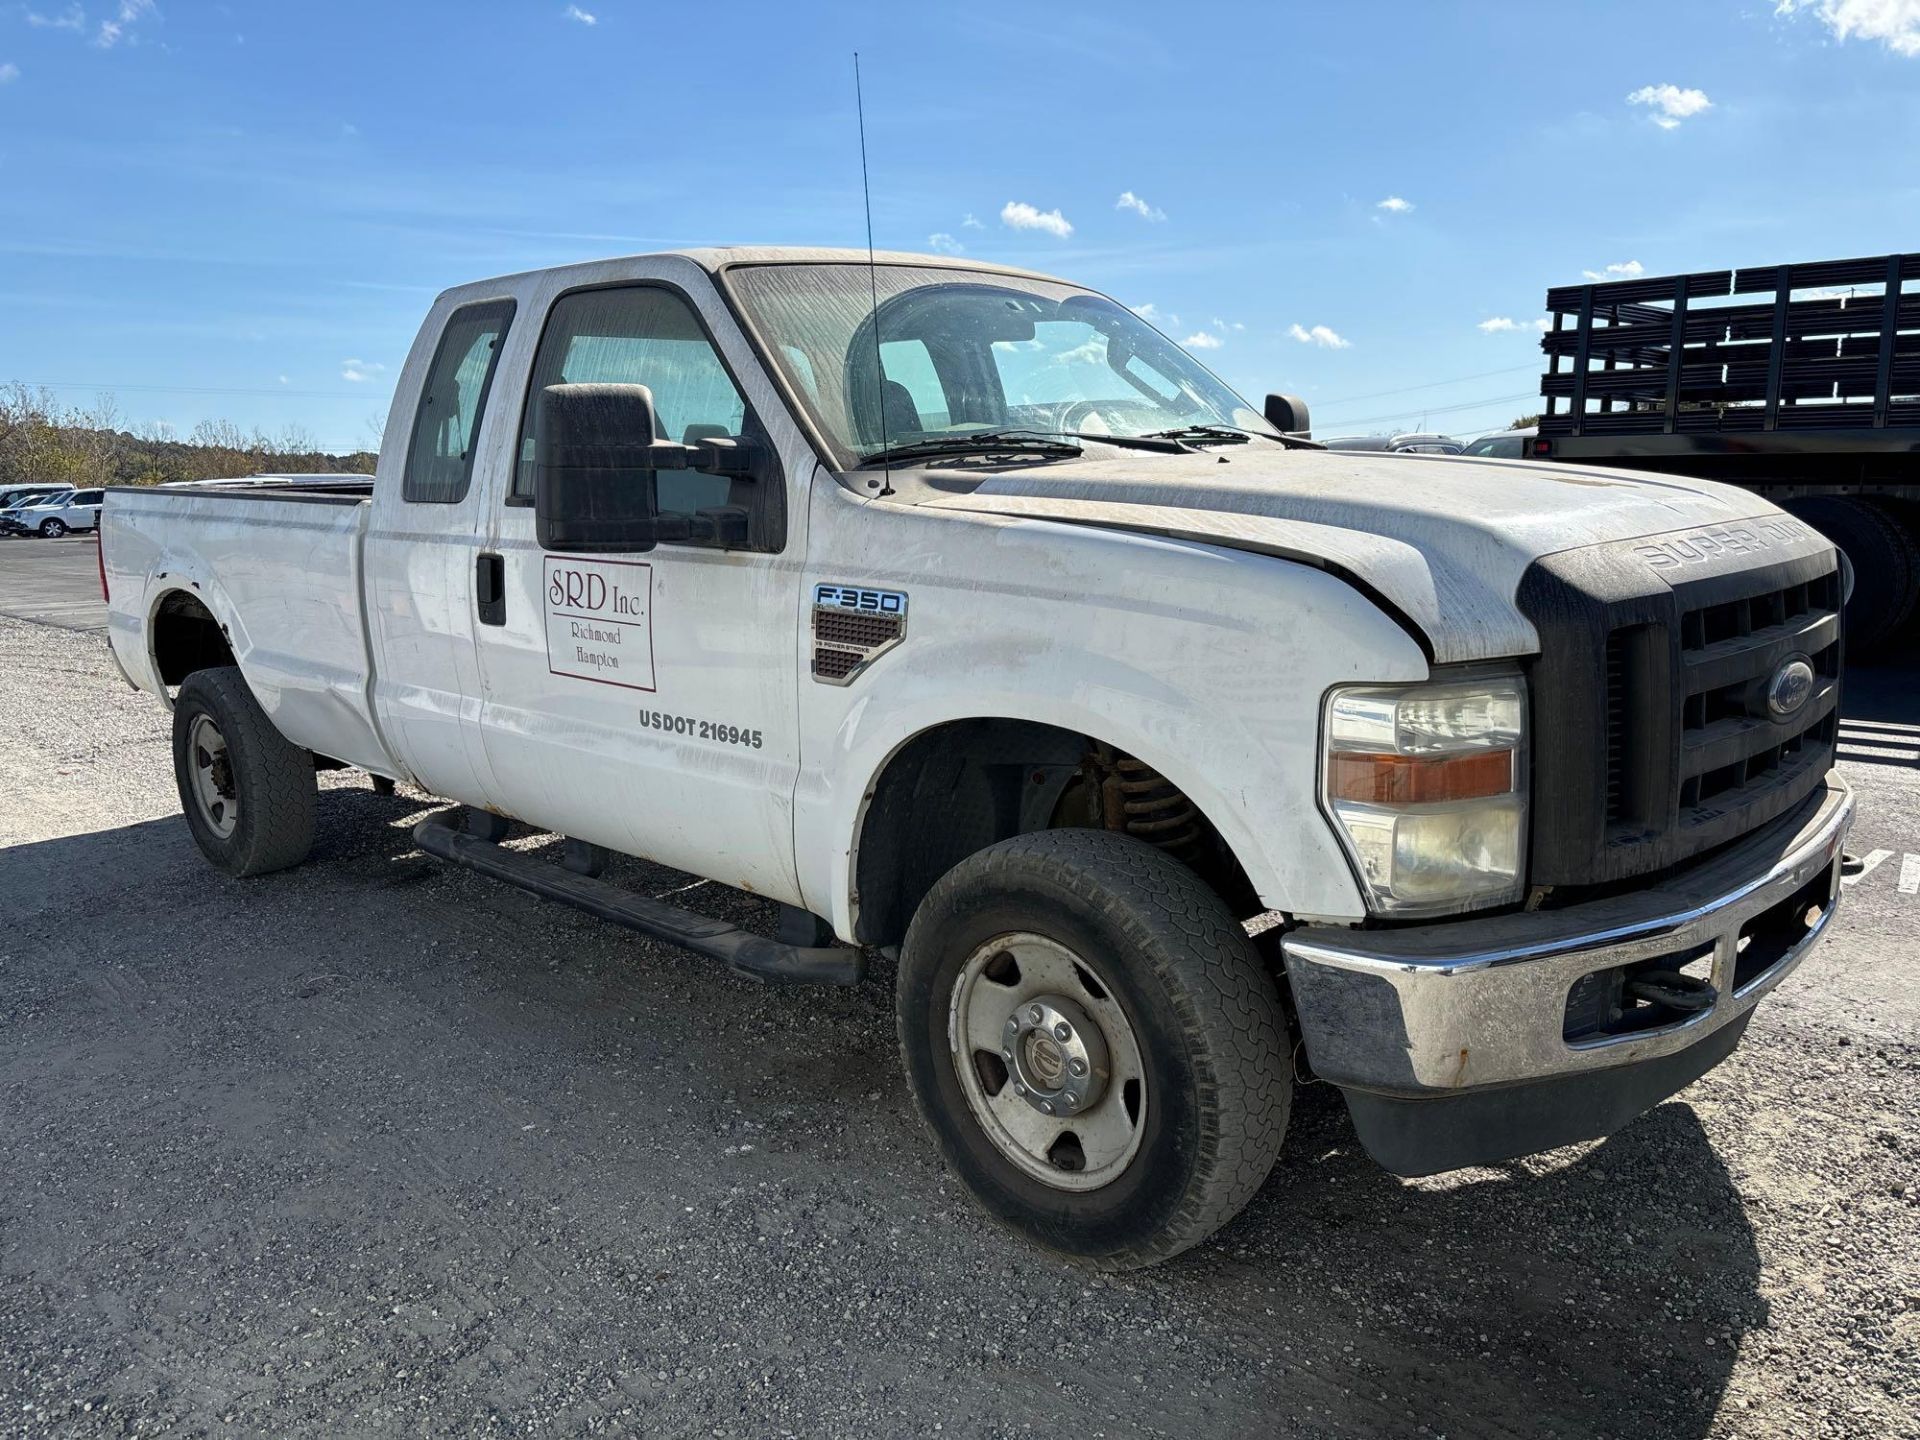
(241, 210)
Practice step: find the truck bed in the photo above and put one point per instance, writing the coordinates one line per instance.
(1805, 370)
(279, 567)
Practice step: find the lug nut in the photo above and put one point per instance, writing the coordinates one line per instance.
(1007, 1055)
(1046, 1107)
(1036, 1014)
(1063, 1031)
(1077, 1065)
(1018, 1088)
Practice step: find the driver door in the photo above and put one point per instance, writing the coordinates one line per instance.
(646, 702)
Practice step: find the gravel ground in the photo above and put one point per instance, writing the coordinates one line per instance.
(377, 1146)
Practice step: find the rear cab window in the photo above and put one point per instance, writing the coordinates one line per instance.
(440, 452)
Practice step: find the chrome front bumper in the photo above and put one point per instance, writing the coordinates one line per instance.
(1454, 1009)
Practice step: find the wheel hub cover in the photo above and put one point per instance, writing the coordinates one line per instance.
(1055, 1055)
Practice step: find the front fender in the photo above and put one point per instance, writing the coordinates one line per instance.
(1207, 664)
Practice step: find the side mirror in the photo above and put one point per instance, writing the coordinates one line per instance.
(594, 486)
(1288, 414)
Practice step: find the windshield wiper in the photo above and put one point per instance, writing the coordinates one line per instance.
(984, 441)
(1039, 442)
(1231, 435)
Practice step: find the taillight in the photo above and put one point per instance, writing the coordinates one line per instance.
(100, 555)
(1542, 447)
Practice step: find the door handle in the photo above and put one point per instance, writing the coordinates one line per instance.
(490, 588)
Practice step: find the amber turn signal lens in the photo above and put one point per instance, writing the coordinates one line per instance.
(1419, 780)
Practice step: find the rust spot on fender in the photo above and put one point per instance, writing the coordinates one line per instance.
(1460, 1071)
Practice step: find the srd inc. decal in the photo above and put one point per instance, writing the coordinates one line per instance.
(600, 620)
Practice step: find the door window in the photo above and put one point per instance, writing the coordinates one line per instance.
(440, 454)
(641, 335)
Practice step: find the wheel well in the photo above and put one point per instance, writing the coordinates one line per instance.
(960, 787)
(186, 638)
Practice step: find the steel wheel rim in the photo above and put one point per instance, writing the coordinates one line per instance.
(997, 1047)
(211, 766)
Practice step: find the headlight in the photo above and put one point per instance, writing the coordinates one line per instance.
(1427, 785)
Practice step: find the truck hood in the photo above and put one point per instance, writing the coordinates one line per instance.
(1443, 540)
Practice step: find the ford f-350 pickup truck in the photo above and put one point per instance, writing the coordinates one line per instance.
(954, 608)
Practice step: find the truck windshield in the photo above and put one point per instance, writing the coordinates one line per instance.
(961, 351)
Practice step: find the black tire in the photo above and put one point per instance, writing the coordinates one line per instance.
(1886, 569)
(51, 529)
(271, 779)
(1204, 1011)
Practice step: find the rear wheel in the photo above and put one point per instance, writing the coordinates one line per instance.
(1094, 1043)
(247, 792)
(1886, 568)
(51, 529)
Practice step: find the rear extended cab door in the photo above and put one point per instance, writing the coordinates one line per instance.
(647, 702)
(423, 534)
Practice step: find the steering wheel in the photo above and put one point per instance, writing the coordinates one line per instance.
(1076, 415)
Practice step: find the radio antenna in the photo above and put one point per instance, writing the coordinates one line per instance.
(873, 278)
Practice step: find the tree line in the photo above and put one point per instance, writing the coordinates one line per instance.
(43, 441)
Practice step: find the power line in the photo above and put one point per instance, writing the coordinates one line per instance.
(1430, 410)
(1430, 385)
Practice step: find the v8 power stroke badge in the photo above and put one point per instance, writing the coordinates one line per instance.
(600, 620)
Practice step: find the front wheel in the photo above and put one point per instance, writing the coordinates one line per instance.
(1094, 1043)
(248, 792)
(52, 529)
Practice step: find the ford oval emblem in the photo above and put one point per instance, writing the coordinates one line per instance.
(1790, 687)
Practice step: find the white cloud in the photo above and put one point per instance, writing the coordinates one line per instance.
(971, 222)
(1203, 340)
(1091, 351)
(72, 18)
(1625, 270)
(359, 370)
(943, 242)
(579, 16)
(9, 73)
(1018, 215)
(1500, 324)
(111, 32)
(1319, 335)
(1894, 23)
(1395, 204)
(1671, 102)
(285, 381)
(1130, 201)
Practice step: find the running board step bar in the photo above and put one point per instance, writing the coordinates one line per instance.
(446, 836)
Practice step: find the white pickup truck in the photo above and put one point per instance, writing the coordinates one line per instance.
(1174, 758)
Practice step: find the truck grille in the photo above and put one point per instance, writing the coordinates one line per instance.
(1654, 739)
(1735, 758)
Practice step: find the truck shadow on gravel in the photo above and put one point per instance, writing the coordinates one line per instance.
(1604, 1288)
(1600, 1290)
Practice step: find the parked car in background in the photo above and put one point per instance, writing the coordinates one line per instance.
(1424, 444)
(1506, 445)
(28, 494)
(54, 515)
(1410, 444)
